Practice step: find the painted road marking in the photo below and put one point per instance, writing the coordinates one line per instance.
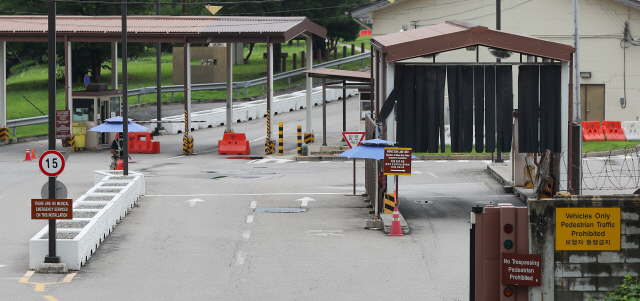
(174, 157)
(242, 255)
(193, 202)
(433, 175)
(254, 204)
(324, 232)
(243, 194)
(305, 201)
(40, 286)
(50, 298)
(463, 161)
(246, 234)
(2, 265)
(440, 161)
(416, 172)
(263, 137)
(249, 219)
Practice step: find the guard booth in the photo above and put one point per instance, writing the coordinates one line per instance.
(89, 109)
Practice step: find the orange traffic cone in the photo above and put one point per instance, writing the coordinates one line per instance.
(27, 157)
(34, 155)
(396, 228)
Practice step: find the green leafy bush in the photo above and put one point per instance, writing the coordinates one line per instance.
(628, 291)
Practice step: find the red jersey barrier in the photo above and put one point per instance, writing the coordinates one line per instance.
(613, 131)
(234, 144)
(591, 131)
(143, 143)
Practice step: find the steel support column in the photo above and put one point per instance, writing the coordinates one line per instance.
(230, 49)
(309, 83)
(3, 84)
(68, 80)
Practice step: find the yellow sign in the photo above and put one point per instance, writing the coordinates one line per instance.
(213, 9)
(588, 229)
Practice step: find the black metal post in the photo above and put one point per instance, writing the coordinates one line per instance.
(499, 154)
(344, 105)
(472, 253)
(324, 112)
(125, 109)
(52, 258)
(158, 78)
(354, 176)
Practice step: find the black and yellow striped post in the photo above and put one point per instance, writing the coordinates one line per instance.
(187, 142)
(299, 140)
(280, 139)
(70, 142)
(389, 202)
(4, 134)
(269, 147)
(309, 138)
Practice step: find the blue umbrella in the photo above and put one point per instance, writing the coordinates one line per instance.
(114, 125)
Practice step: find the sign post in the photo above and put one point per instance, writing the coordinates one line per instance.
(63, 124)
(397, 162)
(353, 139)
(51, 164)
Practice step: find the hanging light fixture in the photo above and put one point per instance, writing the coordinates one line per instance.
(500, 53)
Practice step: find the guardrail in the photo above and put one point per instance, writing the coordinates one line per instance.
(203, 87)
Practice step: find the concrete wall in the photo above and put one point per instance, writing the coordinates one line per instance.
(601, 23)
(578, 275)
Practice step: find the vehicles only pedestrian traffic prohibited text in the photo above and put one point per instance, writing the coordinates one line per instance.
(51, 163)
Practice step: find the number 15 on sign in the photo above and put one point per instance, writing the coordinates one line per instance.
(51, 163)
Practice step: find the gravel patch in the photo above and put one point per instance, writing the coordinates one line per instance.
(114, 184)
(122, 178)
(90, 207)
(84, 214)
(107, 190)
(98, 198)
(73, 225)
(62, 235)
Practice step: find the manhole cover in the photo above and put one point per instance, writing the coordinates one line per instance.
(281, 210)
(422, 202)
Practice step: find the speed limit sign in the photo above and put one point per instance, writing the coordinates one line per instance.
(51, 163)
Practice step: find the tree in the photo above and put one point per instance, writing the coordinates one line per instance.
(327, 13)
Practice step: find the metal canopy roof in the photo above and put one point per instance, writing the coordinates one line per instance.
(340, 74)
(166, 29)
(453, 35)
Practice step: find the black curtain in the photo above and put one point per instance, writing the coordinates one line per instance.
(504, 107)
(550, 98)
(490, 108)
(478, 106)
(453, 73)
(421, 111)
(528, 95)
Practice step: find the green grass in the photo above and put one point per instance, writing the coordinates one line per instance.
(31, 82)
(604, 146)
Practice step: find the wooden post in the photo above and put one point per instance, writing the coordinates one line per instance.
(335, 53)
(353, 49)
(344, 51)
(284, 64)
(362, 47)
(295, 62)
(302, 59)
(326, 55)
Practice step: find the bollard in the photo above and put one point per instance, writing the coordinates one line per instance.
(295, 62)
(353, 49)
(280, 140)
(299, 140)
(284, 64)
(344, 51)
(303, 62)
(361, 47)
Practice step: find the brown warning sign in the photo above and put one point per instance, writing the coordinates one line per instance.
(51, 209)
(63, 124)
(397, 161)
(521, 269)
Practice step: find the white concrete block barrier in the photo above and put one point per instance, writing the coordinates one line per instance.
(96, 213)
(253, 110)
(631, 129)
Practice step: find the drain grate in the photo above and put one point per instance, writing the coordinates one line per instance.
(281, 210)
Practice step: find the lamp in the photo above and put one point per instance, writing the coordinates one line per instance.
(500, 53)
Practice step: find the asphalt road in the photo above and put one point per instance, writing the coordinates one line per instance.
(196, 236)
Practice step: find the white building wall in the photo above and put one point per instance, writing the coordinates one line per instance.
(601, 26)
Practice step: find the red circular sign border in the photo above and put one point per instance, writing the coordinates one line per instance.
(61, 159)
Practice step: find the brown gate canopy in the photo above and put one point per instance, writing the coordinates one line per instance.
(164, 29)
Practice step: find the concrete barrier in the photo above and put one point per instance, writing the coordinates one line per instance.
(111, 198)
(253, 110)
(631, 129)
